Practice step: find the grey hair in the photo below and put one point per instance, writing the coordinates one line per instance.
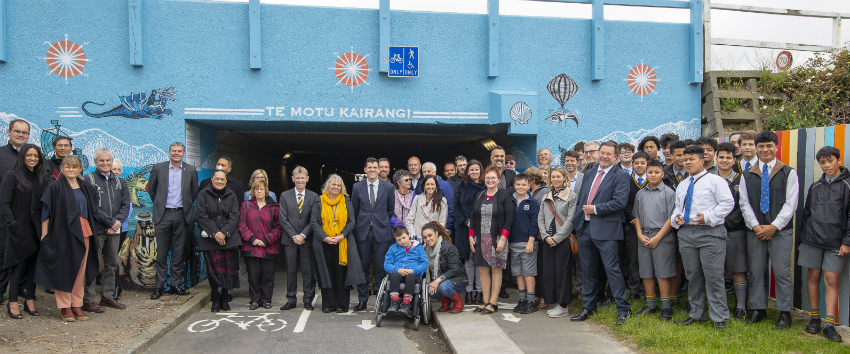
(592, 142)
(117, 162)
(544, 148)
(103, 151)
(433, 166)
(176, 143)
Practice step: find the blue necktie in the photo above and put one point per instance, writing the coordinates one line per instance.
(765, 189)
(688, 200)
(640, 181)
(749, 166)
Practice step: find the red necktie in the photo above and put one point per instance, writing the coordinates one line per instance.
(593, 189)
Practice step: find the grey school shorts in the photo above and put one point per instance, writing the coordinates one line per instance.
(658, 262)
(818, 258)
(736, 251)
(522, 263)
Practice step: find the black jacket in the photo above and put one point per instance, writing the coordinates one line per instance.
(451, 268)
(114, 203)
(20, 211)
(827, 212)
(464, 199)
(218, 213)
(8, 156)
(670, 179)
(232, 184)
(735, 220)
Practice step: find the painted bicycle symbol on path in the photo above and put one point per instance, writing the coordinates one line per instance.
(266, 325)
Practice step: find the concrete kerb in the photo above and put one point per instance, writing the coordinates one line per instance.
(200, 298)
(461, 334)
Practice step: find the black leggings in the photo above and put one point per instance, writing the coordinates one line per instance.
(409, 283)
(23, 272)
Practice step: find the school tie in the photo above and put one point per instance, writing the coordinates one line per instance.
(689, 198)
(300, 202)
(593, 189)
(765, 189)
(372, 195)
(748, 167)
(640, 181)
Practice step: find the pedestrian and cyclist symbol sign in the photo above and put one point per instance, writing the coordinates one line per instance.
(404, 62)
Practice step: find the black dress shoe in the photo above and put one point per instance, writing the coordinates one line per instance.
(634, 297)
(689, 321)
(621, 318)
(479, 298)
(756, 316)
(814, 326)
(720, 325)
(830, 333)
(503, 294)
(739, 314)
(646, 311)
(309, 305)
(48, 290)
(288, 306)
(784, 320)
(666, 314)
(156, 294)
(360, 307)
(327, 310)
(341, 310)
(583, 316)
(468, 298)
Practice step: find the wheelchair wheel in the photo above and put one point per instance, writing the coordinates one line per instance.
(380, 298)
(426, 299)
(378, 318)
(416, 324)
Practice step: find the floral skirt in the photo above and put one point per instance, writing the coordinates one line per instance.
(223, 268)
(486, 255)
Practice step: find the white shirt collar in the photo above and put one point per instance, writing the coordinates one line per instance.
(752, 162)
(605, 170)
(644, 177)
(770, 165)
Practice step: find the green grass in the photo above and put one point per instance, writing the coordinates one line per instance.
(655, 336)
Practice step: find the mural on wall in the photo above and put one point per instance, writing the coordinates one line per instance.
(351, 69)
(65, 58)
(138, 105)
(522, 160)
(137, 253)
(685, 129)
(642, 80)
(520, 113)
(562, 88)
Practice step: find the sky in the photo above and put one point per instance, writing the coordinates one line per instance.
(725, 24)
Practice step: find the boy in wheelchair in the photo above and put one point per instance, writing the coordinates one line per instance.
(406, 262)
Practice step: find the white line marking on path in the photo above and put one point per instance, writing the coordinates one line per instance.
(302, 320)
(511, 317)
(366, 324)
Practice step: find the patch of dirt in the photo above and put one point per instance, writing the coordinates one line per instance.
(104, 332)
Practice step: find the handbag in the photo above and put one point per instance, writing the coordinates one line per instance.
(573, 244)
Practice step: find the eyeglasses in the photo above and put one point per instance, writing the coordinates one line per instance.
(590, 152)
(626, 153)
(405, 179)
(491, 178)
(18, 132)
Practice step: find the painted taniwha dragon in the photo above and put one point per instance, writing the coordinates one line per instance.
(138, 105)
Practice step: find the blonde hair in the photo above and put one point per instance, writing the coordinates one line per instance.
(257, 172)
(299, 170)
(337, 178)
(560, 170)
(72, 160)
(257, 184)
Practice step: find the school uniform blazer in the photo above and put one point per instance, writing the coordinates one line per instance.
(158, 190)
(610, 200)
(291, 220)
(377, 217)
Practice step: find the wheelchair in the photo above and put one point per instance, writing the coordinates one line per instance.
(421, 304)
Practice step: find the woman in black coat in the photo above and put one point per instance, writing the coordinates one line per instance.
(67, 257)
(464, 198)
(217, 209)
(20, 225)
(492, 218)
(445, 266)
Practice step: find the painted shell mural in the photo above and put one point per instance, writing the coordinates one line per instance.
(521, 113)
(562, 88)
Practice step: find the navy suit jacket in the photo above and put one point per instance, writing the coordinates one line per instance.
(610, 201)
(378, 217)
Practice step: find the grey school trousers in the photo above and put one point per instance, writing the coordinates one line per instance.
(780, 252)
(703, 250)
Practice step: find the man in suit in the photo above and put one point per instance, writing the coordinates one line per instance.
(598, 223)
(296, 206)
(373, 201)
(173, 187)
(591, 155)
(506, 180)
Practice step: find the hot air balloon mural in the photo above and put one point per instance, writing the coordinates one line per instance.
(520, 113)
(562, 88)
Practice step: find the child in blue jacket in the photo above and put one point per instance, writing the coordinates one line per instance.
(404, 258)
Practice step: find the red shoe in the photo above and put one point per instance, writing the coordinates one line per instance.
(458, 301)
(445, 302)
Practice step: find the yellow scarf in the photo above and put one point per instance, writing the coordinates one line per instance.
(334, 217)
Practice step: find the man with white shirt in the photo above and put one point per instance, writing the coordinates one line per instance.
(296, 207)
(702, 202)
(749, 158)
(768, 201)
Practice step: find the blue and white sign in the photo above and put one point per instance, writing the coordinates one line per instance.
(404, 62)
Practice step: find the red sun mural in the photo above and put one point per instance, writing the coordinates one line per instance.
(351, 69)
(66, 58)
(642, 79)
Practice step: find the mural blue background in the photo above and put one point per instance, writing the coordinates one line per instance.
(202, 49)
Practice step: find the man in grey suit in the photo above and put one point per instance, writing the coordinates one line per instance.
(373, 201)
(173, 187)
(598, 224)
(296, 206)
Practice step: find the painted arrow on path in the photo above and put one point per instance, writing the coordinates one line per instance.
(367, 325)
(510, 317)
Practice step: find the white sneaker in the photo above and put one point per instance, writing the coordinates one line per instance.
(558, 311)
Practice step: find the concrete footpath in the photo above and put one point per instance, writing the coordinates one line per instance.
(508, 332)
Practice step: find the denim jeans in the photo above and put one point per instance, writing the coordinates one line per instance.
(446, 289)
